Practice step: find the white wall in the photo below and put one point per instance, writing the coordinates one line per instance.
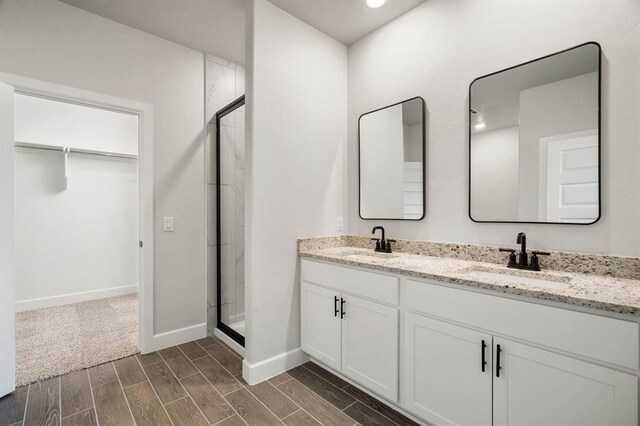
(54, 42)
(494, 174)
(7, 269)
(296, 125)
(438, 48)
(75, 240)
(50, 122)
(82, 239)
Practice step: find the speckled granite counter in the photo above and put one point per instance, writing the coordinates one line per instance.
(606, 293)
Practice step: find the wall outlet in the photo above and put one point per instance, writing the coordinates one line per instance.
(340, 223)
(168, 224)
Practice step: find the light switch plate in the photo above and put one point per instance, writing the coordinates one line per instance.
(340, 223)
(168, 224)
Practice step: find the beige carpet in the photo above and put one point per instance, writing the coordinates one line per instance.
(54, 341)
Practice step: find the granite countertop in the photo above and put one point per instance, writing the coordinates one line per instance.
(604, 293)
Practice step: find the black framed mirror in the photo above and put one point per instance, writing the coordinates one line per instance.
(534, 140)
(392, 162)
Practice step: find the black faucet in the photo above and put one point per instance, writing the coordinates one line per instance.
(382, 245)
(523, 257)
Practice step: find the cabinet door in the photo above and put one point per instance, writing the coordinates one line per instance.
(320, 324)
(443, 378)
(538, 387)
(370, 345)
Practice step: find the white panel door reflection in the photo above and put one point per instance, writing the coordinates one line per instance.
(572, 177)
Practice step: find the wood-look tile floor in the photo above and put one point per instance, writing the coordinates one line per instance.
(197, 383)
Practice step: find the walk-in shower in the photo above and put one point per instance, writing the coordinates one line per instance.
(229, 122)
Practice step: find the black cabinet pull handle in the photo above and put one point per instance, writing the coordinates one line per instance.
(484, 362)
(498, 367)
(335, 306)
(342, 312)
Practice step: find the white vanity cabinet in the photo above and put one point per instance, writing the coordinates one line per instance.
(370, 345)
(447, 380)
(545, 381)
(321, 325)
(539, 387)
(469, 357)
(353, 331)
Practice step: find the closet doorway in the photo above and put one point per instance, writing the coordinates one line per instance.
(83, 229)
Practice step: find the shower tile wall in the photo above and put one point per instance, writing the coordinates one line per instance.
(225, 83)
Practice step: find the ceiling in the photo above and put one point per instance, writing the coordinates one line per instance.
(218, 26)
(211, 26)
(345, 20)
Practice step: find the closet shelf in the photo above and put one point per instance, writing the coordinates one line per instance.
(74, 150)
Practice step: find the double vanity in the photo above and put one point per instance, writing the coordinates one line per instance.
(475, 335)
(451, 335)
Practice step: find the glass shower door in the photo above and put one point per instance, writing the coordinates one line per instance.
(230, 219)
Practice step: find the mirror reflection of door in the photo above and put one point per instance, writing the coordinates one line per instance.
(571, 177)
(534, 141)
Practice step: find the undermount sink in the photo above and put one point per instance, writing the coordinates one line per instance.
(372, 254)
(534, 279)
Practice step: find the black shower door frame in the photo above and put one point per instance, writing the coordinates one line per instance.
(239, 338)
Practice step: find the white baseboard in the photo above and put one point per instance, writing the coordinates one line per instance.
(177, 337)
(263, 370)
(65, 299)
(229, 341)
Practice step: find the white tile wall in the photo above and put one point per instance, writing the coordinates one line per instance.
(228, 312)
(227, 155)
(211, 276)
(239, 314)
(240, 139)
(221, 84)
(239, 267)
(228, 282)
(239, 302)
(239, 207)
(211, 217)
(212, 318)
(210, 153)
(229, 119)
(240, 80)
(227, 214)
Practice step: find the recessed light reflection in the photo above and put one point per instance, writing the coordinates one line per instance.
(480, 126)
(374, 4)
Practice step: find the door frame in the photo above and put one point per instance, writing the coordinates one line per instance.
(32, 87)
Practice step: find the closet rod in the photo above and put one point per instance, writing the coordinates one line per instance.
(75, 150)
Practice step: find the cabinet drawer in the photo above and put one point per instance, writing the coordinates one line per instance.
(374, 286)
(601, 338)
